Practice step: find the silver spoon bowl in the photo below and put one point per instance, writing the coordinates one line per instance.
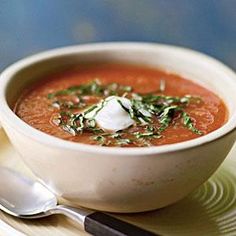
(25, 198)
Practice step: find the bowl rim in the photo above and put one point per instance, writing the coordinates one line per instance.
(12, 120)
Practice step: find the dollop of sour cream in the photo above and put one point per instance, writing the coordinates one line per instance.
(110, 115)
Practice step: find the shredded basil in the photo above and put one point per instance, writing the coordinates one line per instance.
(152, 112)
(93, 88)
(189, 124)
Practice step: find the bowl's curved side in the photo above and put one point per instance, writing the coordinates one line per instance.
(120, 183)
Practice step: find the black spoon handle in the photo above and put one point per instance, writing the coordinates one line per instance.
(101, 224)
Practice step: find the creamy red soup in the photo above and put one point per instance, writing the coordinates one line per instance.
(120, 105)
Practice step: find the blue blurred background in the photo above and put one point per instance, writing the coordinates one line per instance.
(30, 26)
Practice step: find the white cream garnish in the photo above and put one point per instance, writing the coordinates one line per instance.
(110, 115)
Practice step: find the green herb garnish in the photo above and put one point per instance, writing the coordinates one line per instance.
(94, 88)
(189, 124)
(153, 113)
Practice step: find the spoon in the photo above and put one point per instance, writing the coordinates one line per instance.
(25, 198)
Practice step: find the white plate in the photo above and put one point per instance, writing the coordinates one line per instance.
(210, 210)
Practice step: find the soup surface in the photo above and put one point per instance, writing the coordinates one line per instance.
(120, 105)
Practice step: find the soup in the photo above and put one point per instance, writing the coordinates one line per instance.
(120, 105)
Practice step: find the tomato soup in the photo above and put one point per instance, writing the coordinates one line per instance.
(120, 105)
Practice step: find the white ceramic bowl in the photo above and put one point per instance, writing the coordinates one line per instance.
(120, 179)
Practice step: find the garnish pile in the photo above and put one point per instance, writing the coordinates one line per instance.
(153, 113)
